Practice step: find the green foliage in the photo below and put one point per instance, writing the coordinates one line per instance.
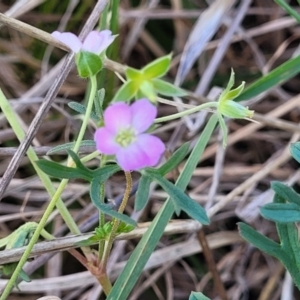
(279, 75)
(146, 82)
(105, 208)
(174, 160)
(281, 212)
(197, 296)
(103, 233)
(147, 244)
(295, 151)
(142, 194)
(18, 238)
(180, 200)
(284, 211)
(82, 110)
(70, 146)
(88, 64)
(229, 108)
(285, 192)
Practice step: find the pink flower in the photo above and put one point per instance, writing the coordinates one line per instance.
(95, 42)
(123, 135)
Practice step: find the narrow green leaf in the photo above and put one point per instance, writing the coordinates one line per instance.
(105, 172)
(77, 107)
(158, 67)
(295, 151)
(289, 9)
(281, 212)
(85, 172)
(276, 77)
(142, 193)
(167, 89)
(197, 296)
(232, 94)
(174, 160)
(82, 110)
(95, 197)
(126, 92)
(99, 98)
(67, 146)
(286, 192)
(180, 199)
(258, 240)
(59, 171)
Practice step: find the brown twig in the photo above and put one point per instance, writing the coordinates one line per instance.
(211, 265)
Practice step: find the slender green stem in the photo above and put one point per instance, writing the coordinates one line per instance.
(289, 9)
(101, 222)
(53, 201)
(187, 112)
(14, 122)
(103, 19)
(116, 222)
(103, 278)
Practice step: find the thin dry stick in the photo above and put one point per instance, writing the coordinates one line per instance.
(283, 157)
(37, 121)
(211, 265)
(272, 283)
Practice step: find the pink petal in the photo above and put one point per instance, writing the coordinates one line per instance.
(105, 141)
(146, 152)
(132, 158)
(144, 113)
(117, 116)
(69, 39)
(97, 42)
(152, 146)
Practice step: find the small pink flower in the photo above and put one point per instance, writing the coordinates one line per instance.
(123, 135)
(95, 42)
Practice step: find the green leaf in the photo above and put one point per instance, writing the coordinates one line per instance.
(147, 89)
(82, 110)
(88, 64)
(197, 296)
(67, 146)
(142, 193)
(124, 228)
(133, 74)
(95, 197)
(295, 151)
(105, 172)
(232, 94)
(276, 77)
(59, 171)
(258, 240)
(99, 98)
(168, 89)
(80, 166)
(158, 67)
(126, 92)
(180, 199)
(285, 192)
(174, 160)
(281, 212)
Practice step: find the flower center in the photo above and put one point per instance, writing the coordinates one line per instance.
(125, 137)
